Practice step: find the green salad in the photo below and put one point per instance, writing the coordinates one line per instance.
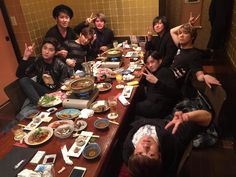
(45, 100)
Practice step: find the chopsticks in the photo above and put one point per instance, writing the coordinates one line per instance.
(113, 122)
(21, 125)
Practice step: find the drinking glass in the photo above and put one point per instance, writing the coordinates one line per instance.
(112, 102)
(119, 78)
(149, 33)
(115, 44)
(18, 133)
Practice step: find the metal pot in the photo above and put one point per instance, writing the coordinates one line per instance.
(82, 85)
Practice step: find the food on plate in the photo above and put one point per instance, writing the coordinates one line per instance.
(80, 140)
(64, 131)
(101, 124)
(38, 136)
(103, 86)
(44, 100)
(76, 150)
(91, 153)
(80, 125)
(32, 114)
(57, 124)
(100, 108)
(64, 116)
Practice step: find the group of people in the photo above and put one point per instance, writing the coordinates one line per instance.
(63, 51)
(168, 110)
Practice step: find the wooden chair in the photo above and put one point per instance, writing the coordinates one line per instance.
(15, 95)
(216, 97)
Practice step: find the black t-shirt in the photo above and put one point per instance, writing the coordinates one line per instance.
(163, 45)
(187, 59)
(185, 65)
(54, 33)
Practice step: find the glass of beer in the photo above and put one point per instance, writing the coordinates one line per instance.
(119, 79)
(18, 133)
(112, 102)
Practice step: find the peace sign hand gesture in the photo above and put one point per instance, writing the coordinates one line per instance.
(150, 77)
(28, 51)
(192, 20)
(179, 118)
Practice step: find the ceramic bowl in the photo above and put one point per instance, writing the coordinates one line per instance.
(91, 151)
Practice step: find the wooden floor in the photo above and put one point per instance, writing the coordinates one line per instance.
(219, 161)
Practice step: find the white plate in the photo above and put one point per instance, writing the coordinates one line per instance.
(55, 102)
(57, 123)
(67, 114)
(82, 126)
(30, 134)
(103, 87)
(99, 106)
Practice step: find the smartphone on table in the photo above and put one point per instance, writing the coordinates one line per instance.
(77, 172)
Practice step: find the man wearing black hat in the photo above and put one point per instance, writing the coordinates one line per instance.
(61, 31)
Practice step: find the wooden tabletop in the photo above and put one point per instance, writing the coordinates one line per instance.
(106, 140)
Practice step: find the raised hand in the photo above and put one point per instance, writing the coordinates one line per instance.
(192, 20)
(149, 33)
(90, 19)
(28, 51)
(150, 77)
(179, 118)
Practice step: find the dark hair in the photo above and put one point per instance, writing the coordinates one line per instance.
(143, 166)
(189, 29)
(52, 41)
(87, 31)
(62, 8)
(154, 54)
(101, 16)
(163, 19)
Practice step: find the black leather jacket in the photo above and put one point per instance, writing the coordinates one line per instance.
(36, 67)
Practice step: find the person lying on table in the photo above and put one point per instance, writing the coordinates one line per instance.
(163, 42)
(158, 92)
(104, 36)
(154, 147)
(50, 71)
(79, 50)
(61, 31)
(187, 61)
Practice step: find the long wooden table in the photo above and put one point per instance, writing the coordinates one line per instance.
(107, 140)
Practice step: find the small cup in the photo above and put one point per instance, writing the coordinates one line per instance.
(112, 102)
(119, 78)
(18, 133)
(115, 44)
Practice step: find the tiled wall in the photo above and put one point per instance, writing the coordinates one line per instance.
(125, 17)
(231, 45)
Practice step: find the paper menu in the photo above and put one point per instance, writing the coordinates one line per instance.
(80, 149)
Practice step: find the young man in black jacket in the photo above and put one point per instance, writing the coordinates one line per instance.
(50, 71)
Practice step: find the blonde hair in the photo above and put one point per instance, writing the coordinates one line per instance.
(187, 28)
